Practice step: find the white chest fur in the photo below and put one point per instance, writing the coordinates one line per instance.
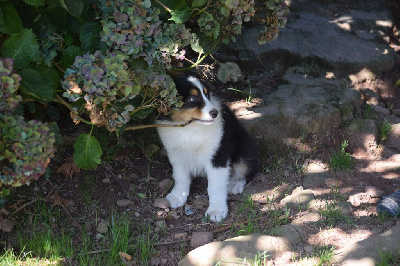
(193, 144)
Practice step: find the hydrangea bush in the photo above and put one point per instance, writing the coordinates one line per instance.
(107, 90)
(25, 147)
(113, 58)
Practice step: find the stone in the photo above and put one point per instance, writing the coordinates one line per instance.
(102, 227)
(373, 192)
(380, 110)
(362, 136)
(161, 203)
(99, 236)
(124, 203)
(201, 238)
(357, 199)
(106, 180)
(309, 217)
(308, 249)
(317, 175)
(298, 198)
(367, 252)
(396, 112)
(393, 139)
(180, 235)
(340, 41)
(201, 202)
(234, 250)
(304, 107)
(293, 233)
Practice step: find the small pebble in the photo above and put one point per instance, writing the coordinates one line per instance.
(102, 227)
(201, 238)
(188, 211)
(180, 235)
(99, 236)
(124, 203)
(161, 203)
(106, 180)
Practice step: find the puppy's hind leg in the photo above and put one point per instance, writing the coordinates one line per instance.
(237, 180)
(180, 192)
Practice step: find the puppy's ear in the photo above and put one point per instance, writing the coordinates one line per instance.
(174, 74)
(177, 75)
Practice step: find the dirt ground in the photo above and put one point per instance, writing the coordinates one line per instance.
(135, 173)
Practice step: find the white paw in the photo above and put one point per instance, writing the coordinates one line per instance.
(217, 214)
(176, 201)
(236, 187)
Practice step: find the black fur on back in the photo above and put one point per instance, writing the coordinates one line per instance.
(236, 145)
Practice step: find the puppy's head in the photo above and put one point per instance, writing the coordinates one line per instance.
(196, 102)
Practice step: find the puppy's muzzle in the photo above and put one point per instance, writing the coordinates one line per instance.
(214, 113)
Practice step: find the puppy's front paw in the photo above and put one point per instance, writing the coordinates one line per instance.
(176, 201)
(217, 214)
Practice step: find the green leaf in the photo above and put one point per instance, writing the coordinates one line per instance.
(74, 7)
(89, 35)
(1, 17)
(22, 47)
(40, 82)
(199, 3)
(68, 56)
(181, 14)
(141, 195)
(398, 82)
(88, 152)
(35, 2)
(11, 20)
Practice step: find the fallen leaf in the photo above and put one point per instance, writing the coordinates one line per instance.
(57, 200)
(68, 169)
(7, 225)
(126, 256)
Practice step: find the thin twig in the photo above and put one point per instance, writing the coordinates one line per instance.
(172, 242)
(95, 251)
(33, 201)
(238, 223)
(158, 125)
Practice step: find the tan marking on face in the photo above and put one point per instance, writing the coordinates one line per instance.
(185, 115)
(205, 90)
(194, 92)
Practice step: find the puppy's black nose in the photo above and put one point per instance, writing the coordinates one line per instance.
(214, 113)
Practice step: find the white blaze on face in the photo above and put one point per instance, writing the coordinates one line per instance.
(206, 117)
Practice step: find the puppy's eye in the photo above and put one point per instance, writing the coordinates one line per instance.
(193, 99)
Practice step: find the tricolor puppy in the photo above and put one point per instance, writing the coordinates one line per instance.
(214, 145)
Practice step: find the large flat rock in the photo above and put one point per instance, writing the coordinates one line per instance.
(234, 250)
(367, 252)
(347, 42)
(307, 105)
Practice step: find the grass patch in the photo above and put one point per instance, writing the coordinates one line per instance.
(325, 255)
(258, 260)
(341, 160)
(389, 258)
(45, 239)
(332, 212)
(384, 131)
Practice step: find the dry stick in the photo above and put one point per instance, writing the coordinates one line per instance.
(95, 251)
(214, 231)
(238, 223)
(158, 125)
(172, 242)
(33, 201)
